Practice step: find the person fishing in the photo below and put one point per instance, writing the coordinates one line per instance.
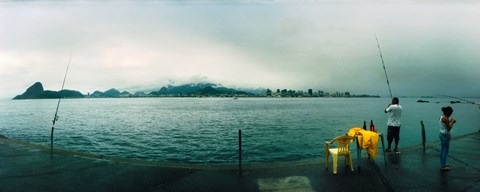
(446, 125)
(394, 109)
(394, 123)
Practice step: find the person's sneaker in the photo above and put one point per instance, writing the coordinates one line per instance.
(396, 150)
(447, 165)
(388, 150)
(443, 169)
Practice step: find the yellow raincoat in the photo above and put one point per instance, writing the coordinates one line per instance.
(366, 139)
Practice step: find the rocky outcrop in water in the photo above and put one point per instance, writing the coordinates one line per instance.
(32, 92)
(36, 91)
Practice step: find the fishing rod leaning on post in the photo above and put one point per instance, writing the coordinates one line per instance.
(55, 118)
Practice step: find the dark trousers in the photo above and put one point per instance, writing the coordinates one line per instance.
(393, 133)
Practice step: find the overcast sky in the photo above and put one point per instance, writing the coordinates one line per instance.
(428, 48)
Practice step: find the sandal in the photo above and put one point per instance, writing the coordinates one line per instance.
(445, 169)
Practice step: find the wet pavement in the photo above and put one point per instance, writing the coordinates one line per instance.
(29, 167)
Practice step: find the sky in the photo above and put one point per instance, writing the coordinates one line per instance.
(429, 48)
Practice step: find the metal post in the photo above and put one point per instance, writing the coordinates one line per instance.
(359, 152)
(383, 149)
(423, 135)
(240, 151)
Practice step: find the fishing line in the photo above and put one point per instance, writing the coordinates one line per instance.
(467, 101)
(55, 118)
(383, 63)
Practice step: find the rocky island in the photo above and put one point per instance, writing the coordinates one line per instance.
(36, 91)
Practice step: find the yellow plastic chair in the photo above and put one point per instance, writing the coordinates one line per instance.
(342, 149)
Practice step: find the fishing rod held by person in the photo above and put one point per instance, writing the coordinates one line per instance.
(383, 63)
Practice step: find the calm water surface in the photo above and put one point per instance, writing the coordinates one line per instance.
(199, 130)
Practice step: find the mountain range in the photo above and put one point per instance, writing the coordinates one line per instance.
(36, 91)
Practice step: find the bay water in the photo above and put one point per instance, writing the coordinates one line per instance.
(205, 130)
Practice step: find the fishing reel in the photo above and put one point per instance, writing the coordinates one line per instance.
(55, 119)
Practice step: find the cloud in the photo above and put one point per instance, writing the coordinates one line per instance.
(130, 45)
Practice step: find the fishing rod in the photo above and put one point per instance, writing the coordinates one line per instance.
(55, 118)
(383, 63)
(471, 102)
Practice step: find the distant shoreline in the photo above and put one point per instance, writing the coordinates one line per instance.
(233, 97)
(36, 91)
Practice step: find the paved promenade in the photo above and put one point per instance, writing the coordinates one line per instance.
(27, 167)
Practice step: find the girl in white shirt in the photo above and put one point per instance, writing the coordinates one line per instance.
(446, 125)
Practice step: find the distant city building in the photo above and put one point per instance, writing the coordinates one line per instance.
(298, 93)
(321, 94)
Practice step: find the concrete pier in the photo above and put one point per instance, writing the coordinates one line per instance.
(28, 167)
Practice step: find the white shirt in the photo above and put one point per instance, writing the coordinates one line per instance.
(443, 127)
(395, 111)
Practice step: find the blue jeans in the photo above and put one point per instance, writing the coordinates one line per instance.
(445, 139)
